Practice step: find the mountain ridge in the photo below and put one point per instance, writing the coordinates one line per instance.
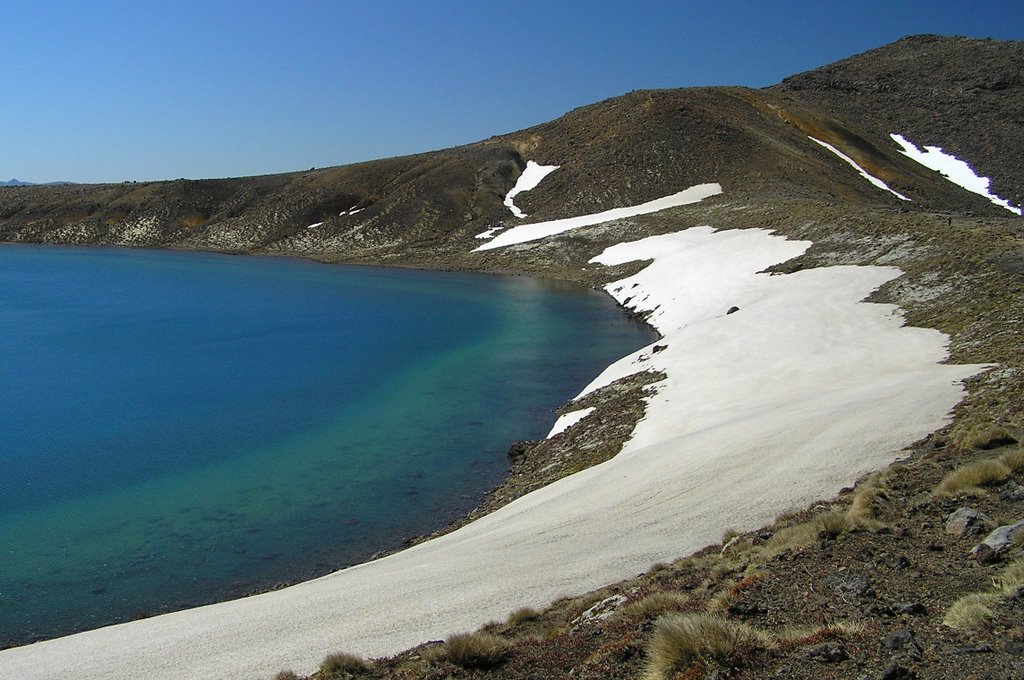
(620, 151)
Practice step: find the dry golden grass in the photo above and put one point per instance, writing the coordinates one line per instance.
(471, 650)
(801, 636)
(656, 604)
(864, 507)
(522, 615)
(1014, 460)
(286, 675)
(791, 537)
(728, 535)
(681, 639)
(833, 523)
(983, 436)
(1012, 577)
(343, 665)
(972, 477)
(971, 612)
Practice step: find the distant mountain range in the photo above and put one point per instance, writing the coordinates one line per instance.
(18, 183)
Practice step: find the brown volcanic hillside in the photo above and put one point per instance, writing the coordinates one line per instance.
(962, 94)
(425, 209)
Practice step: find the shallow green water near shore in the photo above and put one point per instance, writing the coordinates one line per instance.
(180, 428)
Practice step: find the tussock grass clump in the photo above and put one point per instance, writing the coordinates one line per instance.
(286, 675)
(801, 636)
(972, 477)
(342, 665)
(522, 615)
(681, 639)
(833, 523)
(984, 436)
(971, 612)
(471, 650)
(1012, 577)
(1014, 460)
(728, 535)
(864, 507)
(791, 537)
(656, 604)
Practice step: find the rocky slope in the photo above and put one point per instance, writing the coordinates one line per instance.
(964, 95)
(869, 584)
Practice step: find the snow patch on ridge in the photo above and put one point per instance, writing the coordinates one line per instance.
(532, 175)
(539, 230)
(952, 168)
(489, 233)
(871, 178)
(567, 420)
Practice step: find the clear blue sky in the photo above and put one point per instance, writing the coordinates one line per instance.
(135, 90)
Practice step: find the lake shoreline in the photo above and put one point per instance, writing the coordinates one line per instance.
(391, 542)
(293, 603)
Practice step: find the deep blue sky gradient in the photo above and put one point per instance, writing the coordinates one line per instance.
(114, 91)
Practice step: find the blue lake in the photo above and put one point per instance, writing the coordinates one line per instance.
(181, 428)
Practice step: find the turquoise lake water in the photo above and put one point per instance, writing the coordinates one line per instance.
(181, 428)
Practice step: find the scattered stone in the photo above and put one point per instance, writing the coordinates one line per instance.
(968, 649)
(911, 608)
(1015, 647)
(733, 310)
(829, 652)
(880, 610)
(996, 543)
(1012, 491)
(984, 554)
(744, 609)
(898, 672)
(517, 452)
(658, 348)
(848, 583)
(902, 562)
(601, 610)
(902, 642)
(966, 521)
